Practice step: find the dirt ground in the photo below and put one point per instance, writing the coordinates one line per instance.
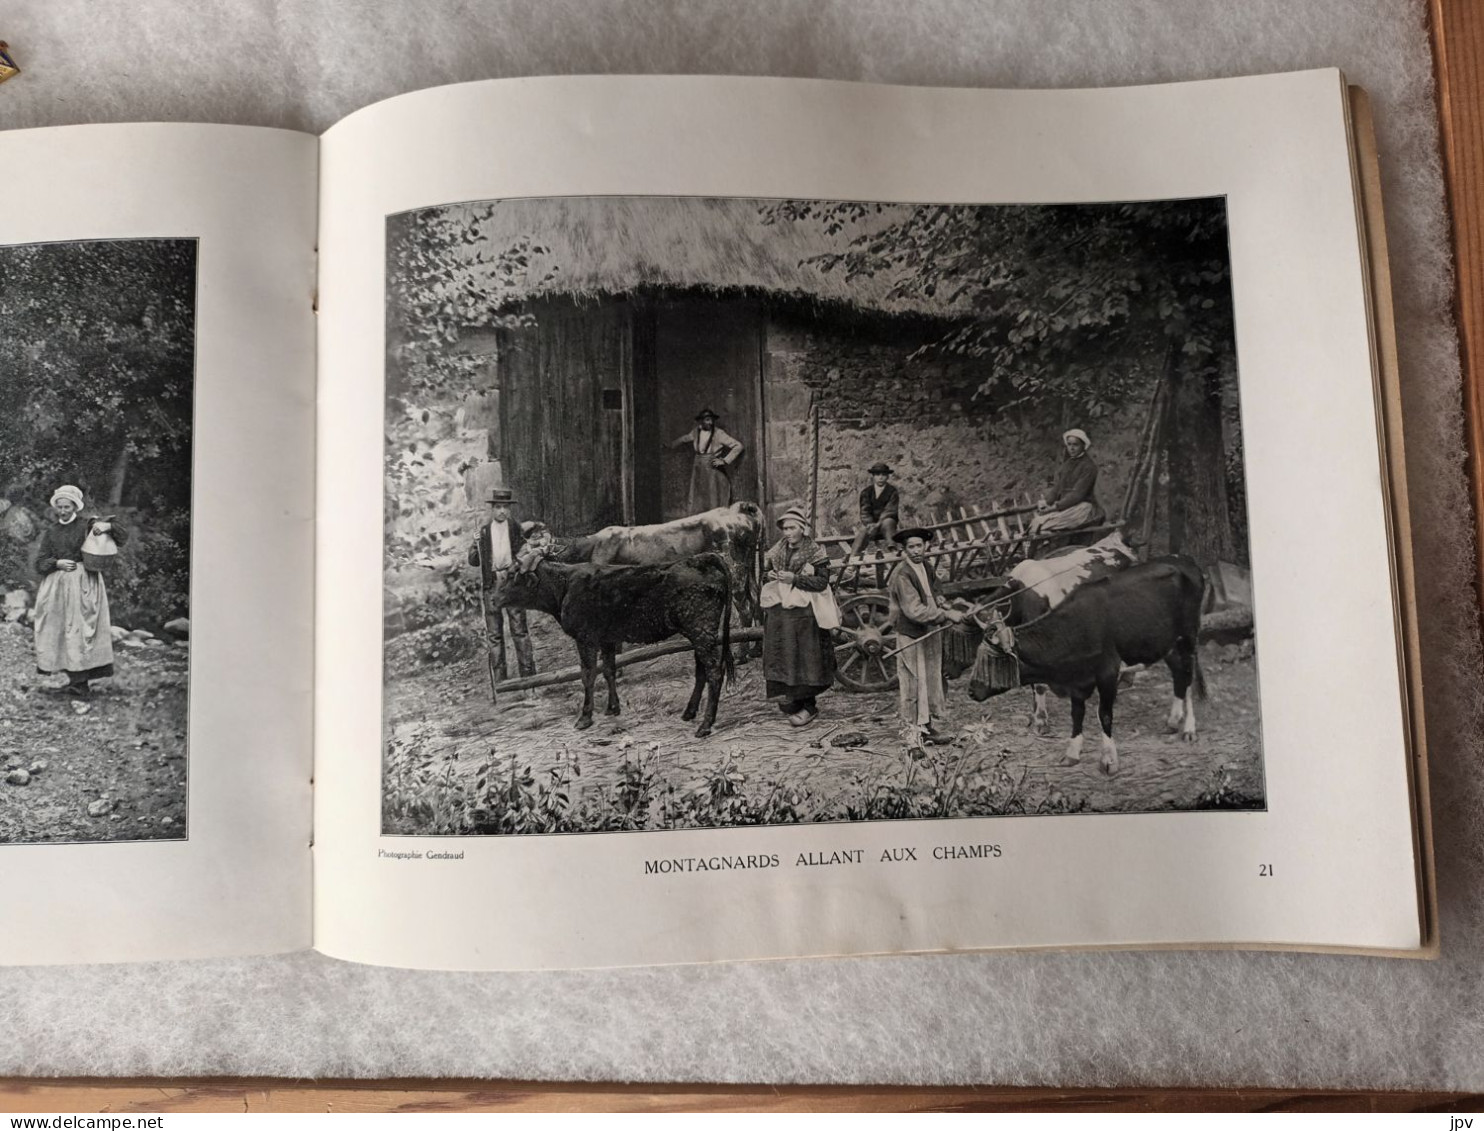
(440, 716)
(127, 749)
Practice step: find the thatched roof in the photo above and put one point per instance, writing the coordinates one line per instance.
(607, 246)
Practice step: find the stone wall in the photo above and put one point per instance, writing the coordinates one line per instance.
(919, 414)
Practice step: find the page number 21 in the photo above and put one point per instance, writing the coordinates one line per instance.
(1264, 869)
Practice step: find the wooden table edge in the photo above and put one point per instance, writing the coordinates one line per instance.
(1457, 32)
(277, 1095)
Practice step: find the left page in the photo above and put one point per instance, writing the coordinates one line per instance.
(157, 336)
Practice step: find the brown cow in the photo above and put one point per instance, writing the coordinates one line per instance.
(602, 606)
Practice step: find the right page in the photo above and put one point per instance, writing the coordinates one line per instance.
(764, 518)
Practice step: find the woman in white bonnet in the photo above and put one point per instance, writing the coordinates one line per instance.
(73, 631)
(1073, 502)
(798, 654)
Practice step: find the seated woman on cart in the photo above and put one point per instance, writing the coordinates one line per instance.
(1073, 501)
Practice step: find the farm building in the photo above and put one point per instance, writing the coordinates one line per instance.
(649, 312)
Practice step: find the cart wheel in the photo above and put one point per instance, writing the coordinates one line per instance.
(862, 642)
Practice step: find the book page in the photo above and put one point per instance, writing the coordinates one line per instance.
(156, 533)
(768, 518)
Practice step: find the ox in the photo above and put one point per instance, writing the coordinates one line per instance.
(1038, 585)
(735, 532)
(603, 606)
(1143, 614)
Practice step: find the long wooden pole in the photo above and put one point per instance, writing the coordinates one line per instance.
(813, 463)
(1157, 440)
(1144, 451)
(484, 613)
(637, 656)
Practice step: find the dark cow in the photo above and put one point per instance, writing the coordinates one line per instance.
(603, 606)
(1143, 614)
(1038, 585)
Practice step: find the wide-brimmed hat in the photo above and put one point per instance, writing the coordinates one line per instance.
(879, 468)
(711, 412)
(500, 495)
(901, 536)
(794, 514)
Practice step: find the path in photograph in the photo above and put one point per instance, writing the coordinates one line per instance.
(456, 763)
(113, 768)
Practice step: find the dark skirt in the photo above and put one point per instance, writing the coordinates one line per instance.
(798, 657)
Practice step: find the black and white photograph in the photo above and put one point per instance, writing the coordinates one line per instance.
(97, 372)
(728, 512)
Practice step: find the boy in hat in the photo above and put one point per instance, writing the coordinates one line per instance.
(880, 508)
(715, 454)
(918, 607)
(494, 551)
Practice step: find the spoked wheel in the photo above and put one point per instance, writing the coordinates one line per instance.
(862, 642)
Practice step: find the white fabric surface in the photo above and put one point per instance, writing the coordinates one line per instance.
(1077, 1019)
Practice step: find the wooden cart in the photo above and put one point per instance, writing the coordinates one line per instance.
(973, 553)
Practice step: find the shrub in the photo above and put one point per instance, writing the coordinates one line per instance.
(151, 582)
(447, 643)
(926, 781)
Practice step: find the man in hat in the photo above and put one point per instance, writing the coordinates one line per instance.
(917, 608)
(880, 508)
(494, 551)
(1073, 503)
(715, 454)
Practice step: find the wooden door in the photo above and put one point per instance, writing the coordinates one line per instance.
(563, 385)
(707, 354)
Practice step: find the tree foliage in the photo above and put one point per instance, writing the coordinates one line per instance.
(1090, 304)
(97, 371)
(443, 281)
(1078, 301)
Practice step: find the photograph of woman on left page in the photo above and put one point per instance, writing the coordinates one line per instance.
(96, 395)
(157, 375)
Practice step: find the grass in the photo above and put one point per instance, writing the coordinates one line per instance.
(920, 780)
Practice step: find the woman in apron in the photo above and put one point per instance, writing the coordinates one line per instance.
(798, 611)
(73, 632)
(715, 453)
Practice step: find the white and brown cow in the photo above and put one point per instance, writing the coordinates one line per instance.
(1038, 585)
(1142, 615)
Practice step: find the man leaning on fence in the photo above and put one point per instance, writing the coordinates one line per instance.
(494, 552)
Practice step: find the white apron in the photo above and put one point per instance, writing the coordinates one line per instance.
(72, 625)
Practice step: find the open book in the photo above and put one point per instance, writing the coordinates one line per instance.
(597, 521)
